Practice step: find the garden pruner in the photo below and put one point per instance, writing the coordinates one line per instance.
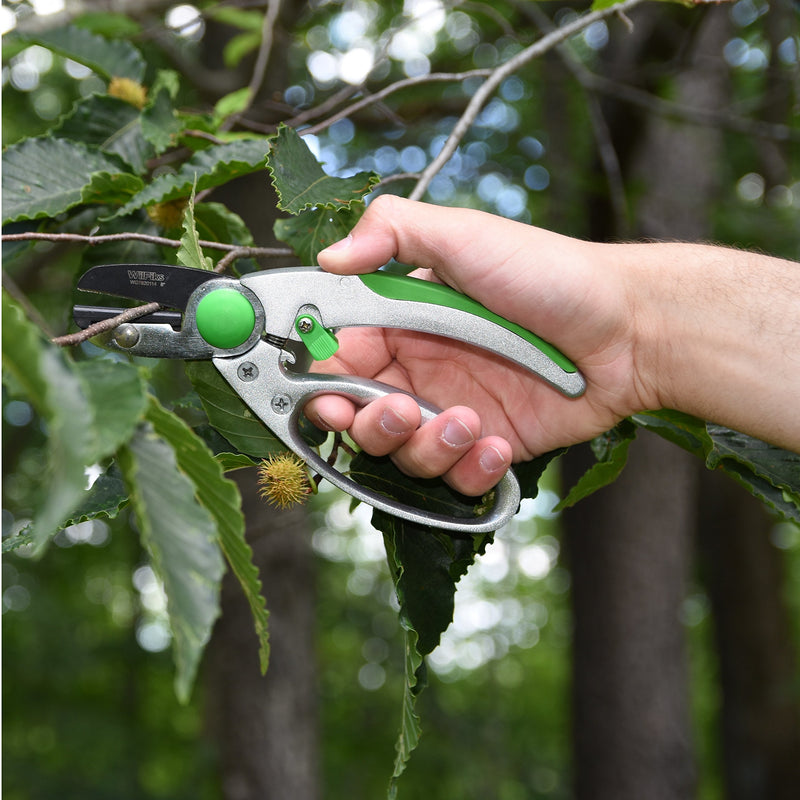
(262, 332)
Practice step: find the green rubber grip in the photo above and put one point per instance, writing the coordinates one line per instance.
(401, 287)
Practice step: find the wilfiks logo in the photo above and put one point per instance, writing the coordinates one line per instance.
(146, 277)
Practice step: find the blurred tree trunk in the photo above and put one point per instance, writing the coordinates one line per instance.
(265, 727)
(743, 575)
(629, 550)
(630, 545)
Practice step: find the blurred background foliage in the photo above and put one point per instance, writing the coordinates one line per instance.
(88, 707)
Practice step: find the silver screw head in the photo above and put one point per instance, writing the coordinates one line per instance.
(305, 324)
(126, 335)
(247, 371)
(281, 404)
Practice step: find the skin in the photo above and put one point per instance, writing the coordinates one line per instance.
(710, 331)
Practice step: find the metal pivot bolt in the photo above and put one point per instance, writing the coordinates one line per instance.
(126, 335)
(305, 324)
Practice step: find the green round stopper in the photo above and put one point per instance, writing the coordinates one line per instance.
(225, 318)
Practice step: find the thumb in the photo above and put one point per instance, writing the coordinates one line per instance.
(414, 233)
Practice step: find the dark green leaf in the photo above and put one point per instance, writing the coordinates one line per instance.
(228, 413)
(109, 188)
(768, 472)
(301, 182)
(180, 535)
(313, 230)
(110, 125)
(611, 451)
(160, 125)
(214, 166)
(44, 177)
(109, 58)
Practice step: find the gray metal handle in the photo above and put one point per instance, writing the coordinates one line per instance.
(277, 398)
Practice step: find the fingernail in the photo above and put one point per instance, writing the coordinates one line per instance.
(457, 434)
(492, 460)
(394, 423)
(342, 244)
(323, 423)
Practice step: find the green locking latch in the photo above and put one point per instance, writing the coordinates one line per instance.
(321, 342)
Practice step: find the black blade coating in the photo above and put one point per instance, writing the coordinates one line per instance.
(160, 283)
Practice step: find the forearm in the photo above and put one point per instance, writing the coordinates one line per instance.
(718, 335)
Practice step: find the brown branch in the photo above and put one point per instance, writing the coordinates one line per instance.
(92, 240)
(104, 325)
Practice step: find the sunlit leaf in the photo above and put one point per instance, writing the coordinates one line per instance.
(180, 536)
(117, 396)
(221, 498)
(107, 57)
(50, 385)
(301, 182)
(190, 254)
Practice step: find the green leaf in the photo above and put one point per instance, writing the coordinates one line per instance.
(238, 48)
(611, 450)
(44, 177)
(228, 413)
(313, 230)
(425, 565)
(215, 222)
(190, 254)
(159, 122)
(232, 103)
(107, 57)
(111, 188)
(768, 472)
(106, 498)
(110, 125)
(221, 498)
(180, 536)
(206, 169)
(117, 395)
(50, 384)
(301, 182)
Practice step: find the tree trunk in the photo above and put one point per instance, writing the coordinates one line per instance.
(266, 727)
(630, 544)
(629, 552)
(743, 575)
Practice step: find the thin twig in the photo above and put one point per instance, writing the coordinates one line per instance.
(262, 61)
(92, 240)
(104, 325)
(602, 135)
(404, 83)
(497, 76)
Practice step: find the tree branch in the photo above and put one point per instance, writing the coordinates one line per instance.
(80, 238)
(497, 76)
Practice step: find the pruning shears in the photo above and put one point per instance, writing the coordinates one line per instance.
(262, 332)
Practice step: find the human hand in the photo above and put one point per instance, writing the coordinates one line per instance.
(495, 411)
